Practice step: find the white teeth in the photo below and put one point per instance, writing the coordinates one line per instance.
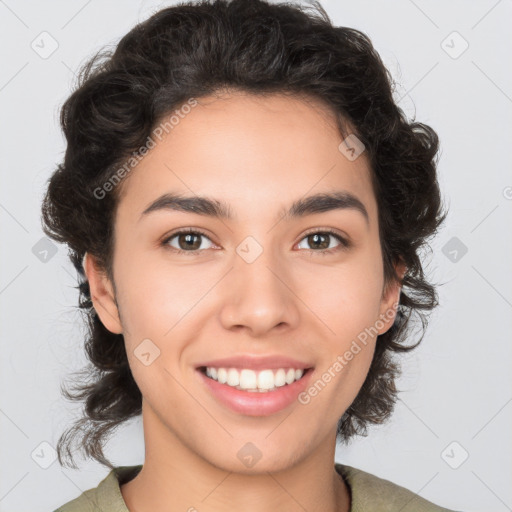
(250, 380)
(280, 378)
(247, 379)
(222, 375)
(266, 379)
(233, 378)
(290, 376)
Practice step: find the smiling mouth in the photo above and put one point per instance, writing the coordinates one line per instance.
(262, 381)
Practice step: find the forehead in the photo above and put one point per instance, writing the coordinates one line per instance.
(256, 153)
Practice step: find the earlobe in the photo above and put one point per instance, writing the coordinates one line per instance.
(102, 295)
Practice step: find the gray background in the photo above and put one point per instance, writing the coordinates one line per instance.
(457, 392)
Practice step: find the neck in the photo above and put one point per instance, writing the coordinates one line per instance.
(178, 478)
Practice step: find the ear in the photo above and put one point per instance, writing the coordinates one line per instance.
(102, 295)
(390, 299)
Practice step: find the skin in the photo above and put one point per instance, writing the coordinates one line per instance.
(258, 154)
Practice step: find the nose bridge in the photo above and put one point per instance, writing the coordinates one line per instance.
(258, 297)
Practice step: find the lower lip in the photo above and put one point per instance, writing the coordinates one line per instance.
(256, 403)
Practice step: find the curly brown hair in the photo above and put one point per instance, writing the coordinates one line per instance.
(196, 49)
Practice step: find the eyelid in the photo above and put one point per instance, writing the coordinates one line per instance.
(331, 231)
(179, 231)
(169, 236)
(345, 242)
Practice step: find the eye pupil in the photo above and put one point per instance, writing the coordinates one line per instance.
(316, 236)
(187, 237)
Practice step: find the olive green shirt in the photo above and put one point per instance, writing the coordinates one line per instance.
(369, 493)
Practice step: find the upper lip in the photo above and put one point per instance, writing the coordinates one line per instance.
(256, 362)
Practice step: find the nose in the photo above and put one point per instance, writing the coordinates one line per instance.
(259, 297)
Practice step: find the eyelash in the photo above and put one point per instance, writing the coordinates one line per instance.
(344, 243)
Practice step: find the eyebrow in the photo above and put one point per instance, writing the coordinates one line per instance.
(318, 203)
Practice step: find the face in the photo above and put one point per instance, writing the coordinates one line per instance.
(260, 284)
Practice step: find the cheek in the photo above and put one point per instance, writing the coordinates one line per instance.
(346, 298)
(155, 296)
(162, 310)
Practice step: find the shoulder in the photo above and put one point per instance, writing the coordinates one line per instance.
(373, 494)
(106, 497)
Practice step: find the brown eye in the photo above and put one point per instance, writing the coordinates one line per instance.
(320, 242)
(189, 241)
(186, 242)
